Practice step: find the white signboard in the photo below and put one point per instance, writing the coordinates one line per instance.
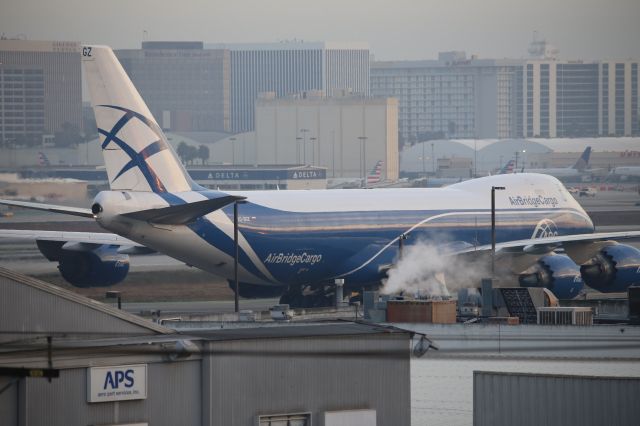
(350, 418)
(117, 383)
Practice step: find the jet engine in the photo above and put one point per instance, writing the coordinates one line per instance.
(557, 273)
(613, 269)
(87, 265)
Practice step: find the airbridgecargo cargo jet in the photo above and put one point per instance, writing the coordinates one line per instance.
(296, 243)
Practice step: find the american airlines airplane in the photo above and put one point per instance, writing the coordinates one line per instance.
(372, 179)
(296, 243)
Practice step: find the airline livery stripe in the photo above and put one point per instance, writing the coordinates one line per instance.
(429, 219)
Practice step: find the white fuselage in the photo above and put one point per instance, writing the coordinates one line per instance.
(302, 230)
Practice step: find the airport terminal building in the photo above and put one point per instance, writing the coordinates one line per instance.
(345, 135)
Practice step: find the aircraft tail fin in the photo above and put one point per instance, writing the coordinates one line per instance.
(43, 160)
(583, 161)
(375, 173)
(508, 168)
(136, 153)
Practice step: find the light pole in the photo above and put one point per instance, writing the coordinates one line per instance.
(298, 139)
(233, 150)
(475, 157)
(363, 159)
(517, 154)
(304, 144)
(333, 153)
(493, 228)
(244, 149)
(433, 160)
(313, 140)
(424, 172)
(236, 253)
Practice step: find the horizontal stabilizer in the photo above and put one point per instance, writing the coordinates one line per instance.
(183, 213)
(74, 211)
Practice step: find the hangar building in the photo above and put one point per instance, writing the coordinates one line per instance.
(109, 367)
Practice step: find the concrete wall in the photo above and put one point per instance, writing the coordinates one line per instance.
(537, 399)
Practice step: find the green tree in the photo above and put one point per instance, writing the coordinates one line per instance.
(182, 151)
(68, 136)
(90, 127)
(203, 154)
(192, 154)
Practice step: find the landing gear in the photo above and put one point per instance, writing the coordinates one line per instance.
(309, 296)
(249, 291)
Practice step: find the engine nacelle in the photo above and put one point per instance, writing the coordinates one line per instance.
(613, 269)
(558, 273)
(87, 265)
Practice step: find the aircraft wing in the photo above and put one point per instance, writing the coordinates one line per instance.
(97, 238)
(74, 211)
(535, 244)
(579, 247)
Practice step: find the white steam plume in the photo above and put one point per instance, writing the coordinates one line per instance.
(425, 266)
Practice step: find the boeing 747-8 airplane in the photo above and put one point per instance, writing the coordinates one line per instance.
(296, 243)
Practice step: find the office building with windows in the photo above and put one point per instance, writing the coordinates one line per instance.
(452, 97)
(579, 98)
(186, 87)
(292, 67)
(456, 97)
(40, 90)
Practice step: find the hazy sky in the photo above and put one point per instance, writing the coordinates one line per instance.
(395, 29)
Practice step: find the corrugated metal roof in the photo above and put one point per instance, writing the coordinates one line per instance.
(298, 330)
(61, 293)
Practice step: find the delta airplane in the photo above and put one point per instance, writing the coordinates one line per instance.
(296, 243)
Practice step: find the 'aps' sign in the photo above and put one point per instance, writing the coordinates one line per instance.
(117, 383)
